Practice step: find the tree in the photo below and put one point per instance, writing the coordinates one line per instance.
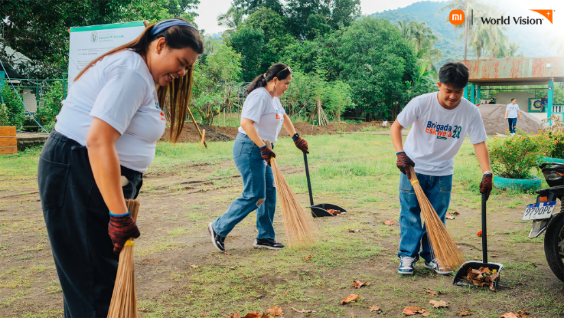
(249, 43)
(232, 19)
(39, 29)
(250, 6)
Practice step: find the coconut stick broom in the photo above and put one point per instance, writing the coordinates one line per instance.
(300, 228)
(124, 298)
(444, 248)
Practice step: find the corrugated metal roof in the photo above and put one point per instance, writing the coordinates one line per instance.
(516, 71)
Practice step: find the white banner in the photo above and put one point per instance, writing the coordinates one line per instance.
(88, 43)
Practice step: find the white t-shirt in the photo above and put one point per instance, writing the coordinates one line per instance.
(120, 90)
(512, 110)
(438, 133)
(266, 112)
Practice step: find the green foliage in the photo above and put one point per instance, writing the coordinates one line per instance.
(38, 29)
(13, 111)
(514, 156)
(555, 144)
(50, 105)
(249, 43)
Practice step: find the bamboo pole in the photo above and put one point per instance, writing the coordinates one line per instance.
(196, 125)
(203, 139)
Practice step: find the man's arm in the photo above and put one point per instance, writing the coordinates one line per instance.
(396, 136)
(519, 114)
(483, 156)
(506, 113)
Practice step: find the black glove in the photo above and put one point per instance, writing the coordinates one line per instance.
(121, 228)
(403, 163)
(300, 143)
(486, 185)
(267, 154)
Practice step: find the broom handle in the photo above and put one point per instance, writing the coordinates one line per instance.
(484, 229)
(308, 180)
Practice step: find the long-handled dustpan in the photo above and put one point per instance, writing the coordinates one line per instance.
(461, 279)
(319, 210)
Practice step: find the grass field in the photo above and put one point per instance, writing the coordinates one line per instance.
(180, 274)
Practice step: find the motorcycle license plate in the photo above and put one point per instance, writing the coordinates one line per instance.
(539, 211)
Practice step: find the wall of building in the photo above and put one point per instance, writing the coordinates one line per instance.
(522, 99)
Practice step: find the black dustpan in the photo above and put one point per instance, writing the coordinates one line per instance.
(319, 210)
(463, 270)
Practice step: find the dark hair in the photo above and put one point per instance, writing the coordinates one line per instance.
(278, 70)
(512, 99)
(180, 90)
(455, 74)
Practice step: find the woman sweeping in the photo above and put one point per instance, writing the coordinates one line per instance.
(104, 139)
(261, 120)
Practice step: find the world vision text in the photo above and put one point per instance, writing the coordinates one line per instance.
(507, 21)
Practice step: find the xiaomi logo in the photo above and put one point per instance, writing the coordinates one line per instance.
(456, 17)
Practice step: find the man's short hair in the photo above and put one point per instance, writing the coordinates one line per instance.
(454, 74)
(512, 99)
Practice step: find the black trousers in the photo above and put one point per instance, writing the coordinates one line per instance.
(77, 223)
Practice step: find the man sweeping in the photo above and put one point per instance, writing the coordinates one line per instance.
(439, 121)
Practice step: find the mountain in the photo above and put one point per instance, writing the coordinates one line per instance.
(532, 39)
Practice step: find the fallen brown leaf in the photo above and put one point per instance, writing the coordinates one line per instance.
(410, 311)
(354, 230)
(275, 311)
(494, 255)
(374, 308)
(307, 258)
(450, 217)
(455, 213)
(464, 312)
(388, 222)
(433, 292)
(351, 297)
(509, 315)
(253, 315)
(358, 284)
(303, 311)
(235, 315)
(193, 265)
(438, 303)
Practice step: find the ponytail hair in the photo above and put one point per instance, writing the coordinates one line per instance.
(179, 91)
(278, 70)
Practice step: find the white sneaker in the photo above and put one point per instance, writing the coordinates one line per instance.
(434, 265)
(407, 265)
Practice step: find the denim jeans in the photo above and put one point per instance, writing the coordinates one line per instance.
(512, 123)
(77, 220)
(259, 191)
(413, 234)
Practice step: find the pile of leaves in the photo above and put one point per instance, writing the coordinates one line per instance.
(271, 312)
(482, 277)
(334, 212)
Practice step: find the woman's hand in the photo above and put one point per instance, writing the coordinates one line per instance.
(121, 228)
(300, 143)
(267, 153)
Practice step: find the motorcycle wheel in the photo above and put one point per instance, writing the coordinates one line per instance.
(554, 245)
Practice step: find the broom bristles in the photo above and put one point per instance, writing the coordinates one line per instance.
(443, 247)
(300, 228)
(124, 298)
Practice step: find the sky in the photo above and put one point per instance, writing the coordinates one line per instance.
(208, 10)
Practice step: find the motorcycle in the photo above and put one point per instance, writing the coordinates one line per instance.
(541, 213)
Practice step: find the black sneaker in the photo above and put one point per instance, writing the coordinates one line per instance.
(268, 243)
(217, 240)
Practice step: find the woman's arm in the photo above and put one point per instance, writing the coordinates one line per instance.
(288, 125)
(104, 161)
(251, 131)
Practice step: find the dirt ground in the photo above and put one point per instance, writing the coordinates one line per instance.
(495, 122)
(218, 133)
(176, 264)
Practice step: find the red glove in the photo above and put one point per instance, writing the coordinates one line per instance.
(301, 144)
(403, 163)
(486, 185)
(267, 153)
(121, 228)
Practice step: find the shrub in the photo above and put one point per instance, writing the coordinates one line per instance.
(13, 111)
(50, 105)
(556, 144)
(514, 156)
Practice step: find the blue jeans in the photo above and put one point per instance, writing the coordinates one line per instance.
(413, 234)
(512, 123)
(259, 191)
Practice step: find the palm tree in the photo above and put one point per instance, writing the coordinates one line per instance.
(405, 29)
(232, 19)
(423, 40)
(488, 38)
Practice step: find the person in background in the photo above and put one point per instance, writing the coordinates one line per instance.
(94, 159)
(440, 121)
(544, 102)
(261, 120)
(511, 113)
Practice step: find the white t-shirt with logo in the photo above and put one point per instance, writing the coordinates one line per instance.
(120, 90)
(266, 112)
(512, 110)
(437, 133)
